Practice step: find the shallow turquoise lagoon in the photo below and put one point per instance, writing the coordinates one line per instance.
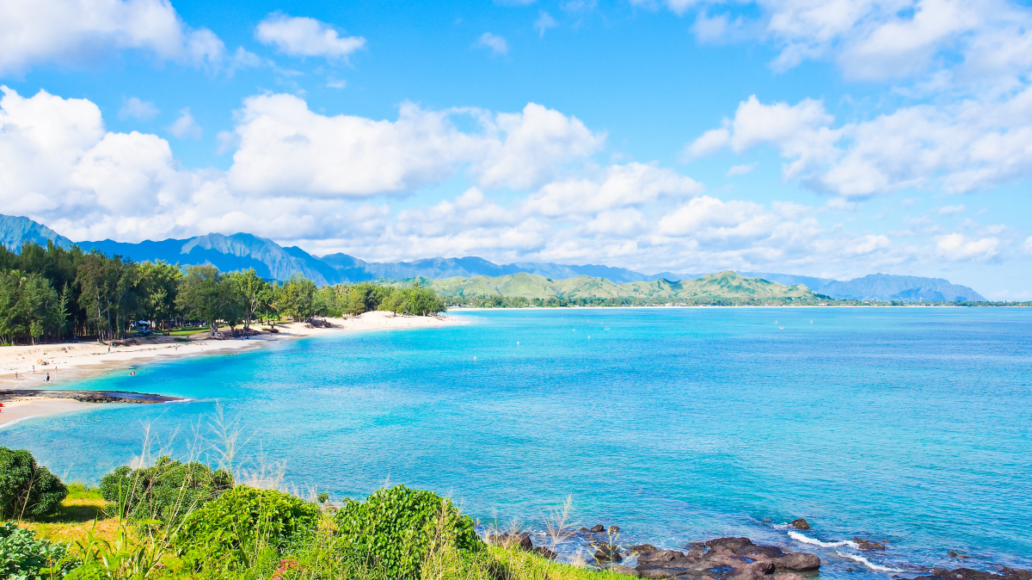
(907, 425)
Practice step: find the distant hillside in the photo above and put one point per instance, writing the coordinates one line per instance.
(271, 260)
(882, 287)
(722, 287)
(228, 253)
(15, 231)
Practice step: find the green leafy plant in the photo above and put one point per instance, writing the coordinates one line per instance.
(243, 526)
(23, 556)
(392, 533)
(166, 492)
(27, 489)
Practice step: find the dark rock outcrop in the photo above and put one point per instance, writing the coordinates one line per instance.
(88, 396)
(800, 524)
(727, 559)
(519, 541)
(597, 528)
(868, 545)
(969, 574)
(545, 553)
(642, 548)
(608, 554)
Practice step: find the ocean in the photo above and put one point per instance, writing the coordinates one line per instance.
(906, 425)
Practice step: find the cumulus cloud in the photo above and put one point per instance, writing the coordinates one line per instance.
(284, 146)
(134, 108)
(69, 31)
(959, 247)
(618, 186)
(952, 209)
(969, 146)
(742, 169)
(185, 127)
(300, 36)
(496, 44)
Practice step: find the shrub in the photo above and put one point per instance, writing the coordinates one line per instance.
(241, 524)
(168, 491)
(391, 534)
(23, 556)
(26, 489)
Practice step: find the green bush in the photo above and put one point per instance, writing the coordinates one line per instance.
(23, 556)
(391, 533)
(242, 526)
(168, 491)
(26, 489)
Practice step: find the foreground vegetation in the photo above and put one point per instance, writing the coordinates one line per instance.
(52, 294)
(175, 520)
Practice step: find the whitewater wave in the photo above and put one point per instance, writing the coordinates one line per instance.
(808, 540)
(868, 563)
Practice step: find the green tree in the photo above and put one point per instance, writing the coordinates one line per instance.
(298, 298)
(206, 294)
(27, 489)
(255, 294)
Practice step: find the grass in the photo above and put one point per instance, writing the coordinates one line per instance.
(82, 512)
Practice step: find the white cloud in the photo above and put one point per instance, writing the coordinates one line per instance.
(134, 108)
(495, 43)
(1027, 246)
(300, 36)
(544, 22)
(970, 146)
(185, 127)
(742, 169)
(952, 209)
(284, 146)
(69, 31)
(617, 186)
(959, 247)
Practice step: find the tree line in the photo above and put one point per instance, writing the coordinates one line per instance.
(53, 293)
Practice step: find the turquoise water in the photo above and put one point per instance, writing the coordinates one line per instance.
(907, 425)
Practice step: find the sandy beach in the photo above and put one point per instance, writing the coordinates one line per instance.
(23, 366)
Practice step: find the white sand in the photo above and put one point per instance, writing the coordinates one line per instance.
(15, 411)
(21, 366)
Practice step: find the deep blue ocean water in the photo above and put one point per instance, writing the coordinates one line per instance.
(907, 425)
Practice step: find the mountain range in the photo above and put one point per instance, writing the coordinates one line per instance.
(270, 260)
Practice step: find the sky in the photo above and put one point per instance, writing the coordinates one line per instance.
(832, 138)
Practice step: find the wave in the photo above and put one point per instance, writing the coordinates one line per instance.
(808, 540)
(868, 563)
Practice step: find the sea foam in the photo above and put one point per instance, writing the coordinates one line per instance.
(808, 540)
(868, 563)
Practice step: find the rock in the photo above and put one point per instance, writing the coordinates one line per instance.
(800, 524)
(797, 562)
(754, 571)
(545, 553)
(608, 554)
(969, 574)
(614, 530)
(597, 528)
(519, 541)
(732, 545)
(658, 558)
(642, 548)
(657, 573)
(868, 545)
(625, 571)
(956, 555)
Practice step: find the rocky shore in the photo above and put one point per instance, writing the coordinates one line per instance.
(86, 396)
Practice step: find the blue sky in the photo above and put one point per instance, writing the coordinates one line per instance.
(824, 138)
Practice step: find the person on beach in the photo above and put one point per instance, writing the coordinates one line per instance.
(47, 380)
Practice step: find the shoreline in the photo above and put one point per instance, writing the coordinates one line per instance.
(20, 367)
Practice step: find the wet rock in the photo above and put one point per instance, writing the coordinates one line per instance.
(626, 571)
(545, 553)
(754, 571)
(642, 548)
(969, 574)
(519, 541)
(608, 554)
(657, 572)
(597, 528)
(797, 562)
(868, 545)
(956, 555)
(614, 530)
(800, 524)
(732, 545)
(658, 558)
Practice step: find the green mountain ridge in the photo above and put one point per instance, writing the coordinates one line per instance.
(723, 286)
